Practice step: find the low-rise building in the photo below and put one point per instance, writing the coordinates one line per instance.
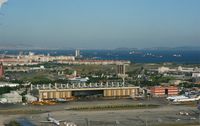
(195, 75)
(178, 69)
(29, 98)
(175, 82)
(161, 91)
(163, 69)
(78, 80)
(12, 97)
(6, 84)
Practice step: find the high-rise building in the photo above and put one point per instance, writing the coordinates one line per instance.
(121, 69)
(1, 70)
(77, 53)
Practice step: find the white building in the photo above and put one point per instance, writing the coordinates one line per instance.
(12, 97)
(38, 68)
(77, 53)
(5, 84)
(175, 82)
(195, 75)
(163, 69)
(178, 69)
(79, 79)
(29, 98)
(185, 69)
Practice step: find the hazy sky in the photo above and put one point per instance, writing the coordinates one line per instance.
(101, 23)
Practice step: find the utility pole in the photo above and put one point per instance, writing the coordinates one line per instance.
(198, 107)
(146, 122)
(117, 122)
(87, 122)
(199, 113)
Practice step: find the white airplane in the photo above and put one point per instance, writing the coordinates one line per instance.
(187, 99)
(50, 119)
(69, 124)
(172, 98)
(2, 2)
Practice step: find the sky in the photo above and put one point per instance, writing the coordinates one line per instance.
(100, 23)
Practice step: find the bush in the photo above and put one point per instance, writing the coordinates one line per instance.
(118, 107)
(13, 123)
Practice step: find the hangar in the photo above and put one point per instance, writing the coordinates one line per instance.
(67, 91)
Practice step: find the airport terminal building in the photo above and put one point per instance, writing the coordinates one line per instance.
(67, 91)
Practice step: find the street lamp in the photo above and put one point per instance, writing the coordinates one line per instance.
(117, 122)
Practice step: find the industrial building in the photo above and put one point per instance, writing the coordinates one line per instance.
(161, 91)
(67, 91)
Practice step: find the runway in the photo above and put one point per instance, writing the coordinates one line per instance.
(165, 114)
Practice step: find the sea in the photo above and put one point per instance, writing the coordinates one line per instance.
(135, 56)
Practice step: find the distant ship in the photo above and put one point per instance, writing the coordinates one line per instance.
(135, 52)
(152, 55)
(177, 55)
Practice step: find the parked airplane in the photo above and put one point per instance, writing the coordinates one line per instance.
(61, 100)
(182, 99)
(50, 119)
(187, 99)
(172, 98)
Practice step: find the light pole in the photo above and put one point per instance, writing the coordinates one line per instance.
(117, 122)
(146, 123)
(87, 122)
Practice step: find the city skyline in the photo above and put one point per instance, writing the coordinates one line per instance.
(100, 24)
